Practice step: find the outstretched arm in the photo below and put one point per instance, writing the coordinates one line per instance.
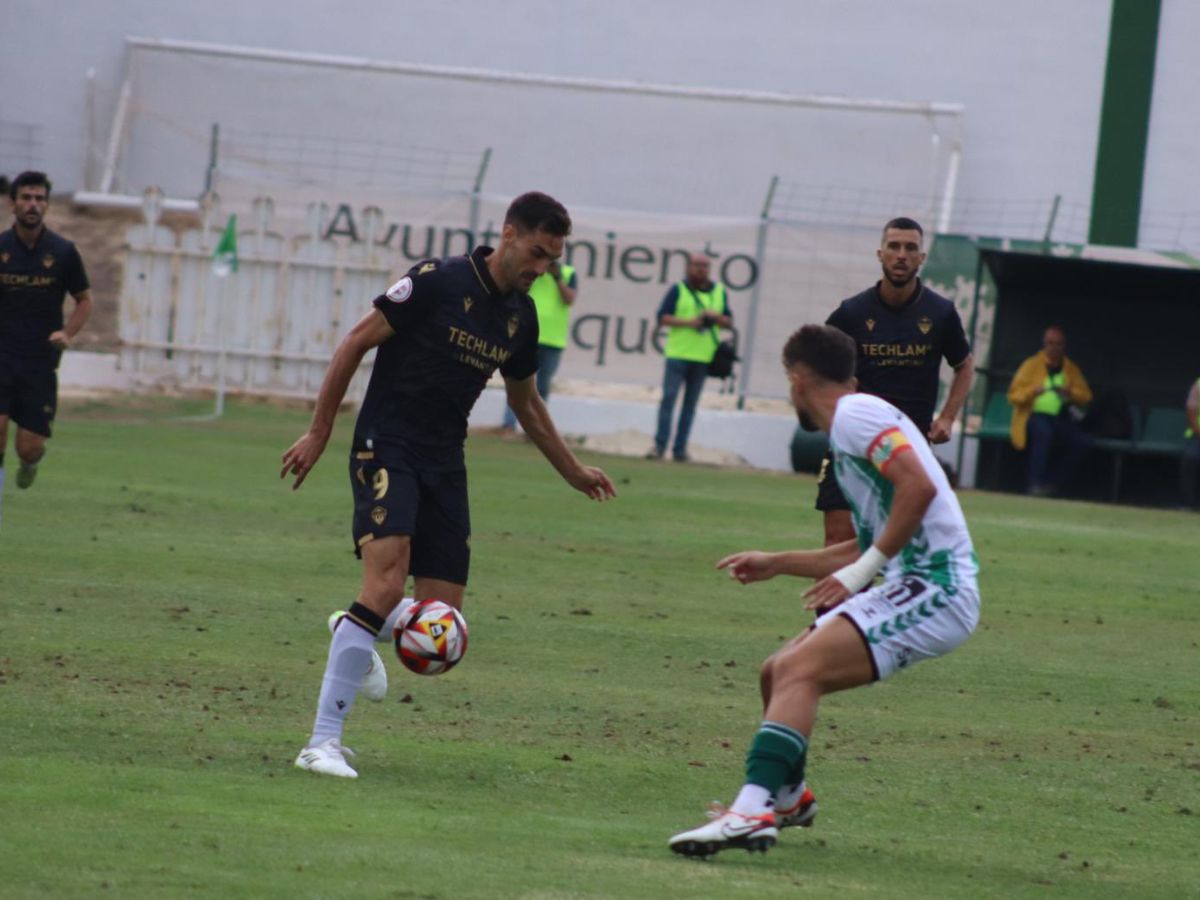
(750, 566)
(371, 331)
(531, 412)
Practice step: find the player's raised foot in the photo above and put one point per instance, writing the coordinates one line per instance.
(801, 814)
(25, 474)
(727, 830)
(326, 758)
(375, 682)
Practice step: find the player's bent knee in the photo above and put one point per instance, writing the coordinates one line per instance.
(30, 451)
(795, 665)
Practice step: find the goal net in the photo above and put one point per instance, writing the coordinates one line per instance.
(786, 191)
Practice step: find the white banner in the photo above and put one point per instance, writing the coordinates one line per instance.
(625, 263)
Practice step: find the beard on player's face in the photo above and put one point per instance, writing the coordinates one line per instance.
(899, 278)
(30, 213)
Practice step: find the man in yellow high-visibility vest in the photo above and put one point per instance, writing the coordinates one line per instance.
(693, 310)
(1046, 394)
(553, 293)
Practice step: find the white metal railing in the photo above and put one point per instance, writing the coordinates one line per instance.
(270, 328)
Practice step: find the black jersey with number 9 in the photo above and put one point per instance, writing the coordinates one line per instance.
(454, 328)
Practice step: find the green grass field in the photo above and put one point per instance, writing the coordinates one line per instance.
(162, 637)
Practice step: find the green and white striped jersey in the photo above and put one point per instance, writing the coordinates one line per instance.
(866, 436)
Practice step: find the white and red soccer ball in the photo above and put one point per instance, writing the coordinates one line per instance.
(430, 637)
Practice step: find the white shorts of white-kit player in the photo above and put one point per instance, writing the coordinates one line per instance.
(907, 619)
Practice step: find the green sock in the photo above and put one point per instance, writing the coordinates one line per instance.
(776, 756)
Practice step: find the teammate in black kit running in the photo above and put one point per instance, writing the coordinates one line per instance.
(38, 268)
(441, 331)
(903, 330)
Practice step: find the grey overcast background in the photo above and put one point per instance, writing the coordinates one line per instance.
(1029, 73)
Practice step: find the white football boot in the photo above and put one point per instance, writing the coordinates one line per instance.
(375, 683)
(326, 758)
(726, 831)
(801, 813)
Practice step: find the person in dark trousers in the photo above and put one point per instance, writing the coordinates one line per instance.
(1048, 394)
(693, 311)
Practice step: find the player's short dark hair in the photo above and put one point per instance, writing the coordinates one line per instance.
(904, 223)
(829, 352)
(29, 179)
(535, 211)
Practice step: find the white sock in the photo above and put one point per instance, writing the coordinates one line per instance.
(752, 800)
(349, 658)
(389, 624)
(789, 795)
(385, 633)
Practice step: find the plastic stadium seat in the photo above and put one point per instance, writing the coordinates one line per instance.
(997, 417)
(1164, 430)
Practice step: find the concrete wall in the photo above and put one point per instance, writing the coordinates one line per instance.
(1029, 72)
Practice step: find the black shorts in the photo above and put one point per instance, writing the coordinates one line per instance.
(29, 396)
(400, 496)
(829, 494)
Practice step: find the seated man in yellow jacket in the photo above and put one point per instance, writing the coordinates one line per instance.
(1047, 394)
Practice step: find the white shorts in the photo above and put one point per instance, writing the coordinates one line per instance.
(906, 620)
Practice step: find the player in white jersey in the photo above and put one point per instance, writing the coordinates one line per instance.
(910, 530)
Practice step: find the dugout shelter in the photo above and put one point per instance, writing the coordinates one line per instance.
(1132, 319)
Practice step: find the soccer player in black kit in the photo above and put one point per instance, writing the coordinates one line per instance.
(441, 331)
(903, 330)
(38, 268)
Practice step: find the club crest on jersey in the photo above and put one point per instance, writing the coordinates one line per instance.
(378, 514)
(924, 324)
(47, 261)
(467, 303)
(401, 290)
(870, 324)
(513, 322)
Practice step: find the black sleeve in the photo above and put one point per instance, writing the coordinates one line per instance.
(955, 347)
(411, 298)
(524, 363)
(837, 319)
(74, 276)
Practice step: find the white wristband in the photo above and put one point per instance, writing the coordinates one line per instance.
(859, 573)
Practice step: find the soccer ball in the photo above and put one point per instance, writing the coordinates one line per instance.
(431, 637)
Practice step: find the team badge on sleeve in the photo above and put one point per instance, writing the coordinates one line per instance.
(401, 290)
(886, 446)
